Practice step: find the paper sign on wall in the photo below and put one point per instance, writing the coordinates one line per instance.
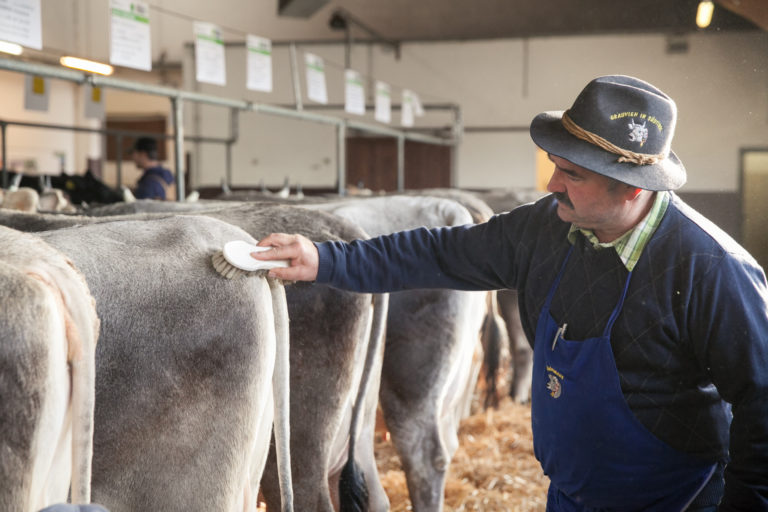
(418, 109)
(209, 54)
(354, 92)
(36, 93)
(259, 76)
(20, 23)
(94, 102)
(383, 112)
(406, 108)
(316, 90)
(129, 36)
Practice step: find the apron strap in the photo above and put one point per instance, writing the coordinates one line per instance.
(556, 282)
(618, 308)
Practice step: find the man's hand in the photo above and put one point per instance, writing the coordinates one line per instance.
(297, 249)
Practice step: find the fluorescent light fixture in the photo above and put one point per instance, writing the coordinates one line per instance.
(704, 13)
(12, 48)
(86, 65)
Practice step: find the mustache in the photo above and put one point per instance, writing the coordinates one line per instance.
(563, 198)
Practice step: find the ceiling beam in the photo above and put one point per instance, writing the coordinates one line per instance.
(755, 11)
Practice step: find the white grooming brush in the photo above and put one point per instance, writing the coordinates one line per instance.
(235, 260)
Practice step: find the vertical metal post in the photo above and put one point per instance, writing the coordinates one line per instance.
(233, 135)
(400, 163)
(295, 78)
(341, 157)
(119, 159)
(524, 74)
(348, 48)
(371, 81)
(458, 133)
(3, 127)
(178, 146)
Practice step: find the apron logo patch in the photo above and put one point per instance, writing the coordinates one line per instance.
(554, 386)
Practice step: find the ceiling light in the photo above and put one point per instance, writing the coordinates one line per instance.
(704, 13)
(12, 48)
(87, 65)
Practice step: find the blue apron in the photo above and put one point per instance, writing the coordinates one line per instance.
(598, 456)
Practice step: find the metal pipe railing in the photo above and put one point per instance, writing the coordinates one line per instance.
(117, 133)
(177, 95)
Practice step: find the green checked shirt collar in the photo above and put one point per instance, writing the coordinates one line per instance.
(630, 245)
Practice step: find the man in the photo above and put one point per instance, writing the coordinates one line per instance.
(156, 179)
(649, 324)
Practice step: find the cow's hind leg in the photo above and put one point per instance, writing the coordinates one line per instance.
(425, 458)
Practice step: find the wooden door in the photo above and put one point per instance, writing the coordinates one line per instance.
(372, 163)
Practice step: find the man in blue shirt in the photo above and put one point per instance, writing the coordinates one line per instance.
(156, 179)
(649, 323)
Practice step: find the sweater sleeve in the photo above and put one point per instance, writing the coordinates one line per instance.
(731, 312)
(473, 257)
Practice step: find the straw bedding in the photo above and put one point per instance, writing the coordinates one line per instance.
(493, 470)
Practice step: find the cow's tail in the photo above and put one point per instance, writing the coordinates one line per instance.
(82, 331)
(492, 344)
(280, 394)
(353, 491)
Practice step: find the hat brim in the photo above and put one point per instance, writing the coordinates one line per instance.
(548, 133)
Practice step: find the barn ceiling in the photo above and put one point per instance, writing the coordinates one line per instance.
(425, 20)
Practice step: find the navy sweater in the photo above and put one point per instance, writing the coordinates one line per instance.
(153, 183)
(691, 343)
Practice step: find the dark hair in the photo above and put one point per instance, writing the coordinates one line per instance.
(147, 145)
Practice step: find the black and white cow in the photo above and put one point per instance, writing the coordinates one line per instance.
(48, 334)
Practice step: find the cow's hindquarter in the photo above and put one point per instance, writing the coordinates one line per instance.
(48, 332)
(32, 365)
(431, 337)
(183, 364)
(326, 327)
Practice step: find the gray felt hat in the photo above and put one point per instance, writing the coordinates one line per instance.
(620, 127)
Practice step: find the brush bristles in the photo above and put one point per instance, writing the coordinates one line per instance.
(224, 267)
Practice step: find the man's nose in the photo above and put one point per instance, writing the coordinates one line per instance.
(555, 183)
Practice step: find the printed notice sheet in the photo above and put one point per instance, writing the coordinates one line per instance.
(316, 90)
(209, 54)
(129, 36)
(354, 92)
(383, 112)
(20, 23)
(406, 109)
(259, 76)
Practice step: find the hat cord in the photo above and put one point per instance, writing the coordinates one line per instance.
(624, 155)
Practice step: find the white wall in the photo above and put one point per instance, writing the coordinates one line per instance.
(720, 84)
(41, 146)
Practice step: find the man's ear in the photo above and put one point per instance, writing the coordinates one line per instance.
(631, 192)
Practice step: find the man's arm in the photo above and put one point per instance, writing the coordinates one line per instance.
(731, 317)
(477, 257)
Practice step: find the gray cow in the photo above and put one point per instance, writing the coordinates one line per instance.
(48, 333)
(504, 200)
(327, 354)
(427, 376)
(183, 366)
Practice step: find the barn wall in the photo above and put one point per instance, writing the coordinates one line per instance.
(719, 85)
